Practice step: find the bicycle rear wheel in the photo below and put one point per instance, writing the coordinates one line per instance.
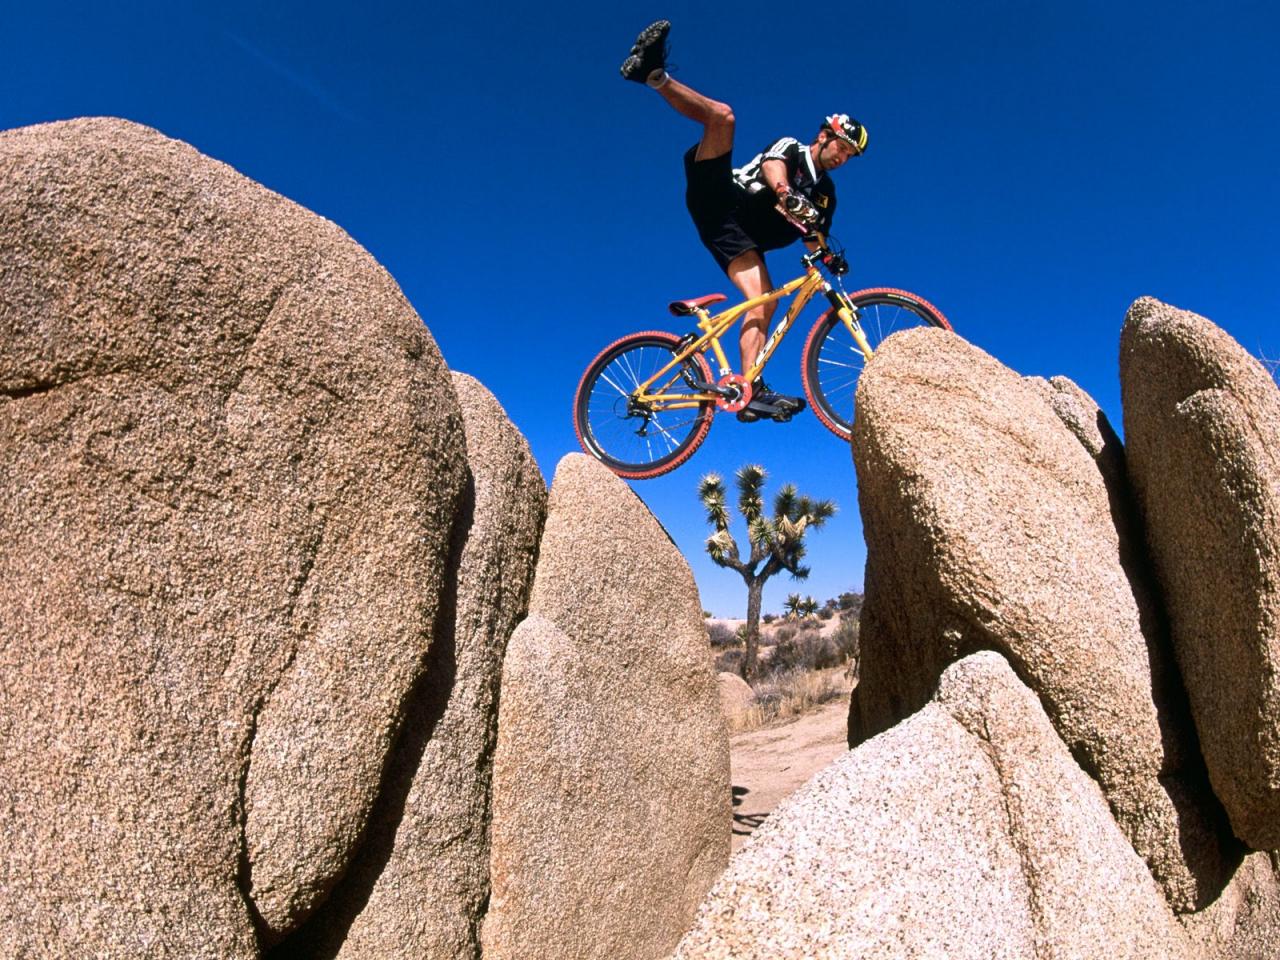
(833, 361)
(638, 440)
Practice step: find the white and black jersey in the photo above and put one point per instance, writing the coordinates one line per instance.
(735, 210)
(803, 177)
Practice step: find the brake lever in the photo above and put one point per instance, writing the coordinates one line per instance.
(836, 263)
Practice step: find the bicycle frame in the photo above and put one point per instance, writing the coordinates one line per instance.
(713, 327)
(647, 401)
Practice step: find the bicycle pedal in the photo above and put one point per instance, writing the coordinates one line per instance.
(781, 417)
(748, 416)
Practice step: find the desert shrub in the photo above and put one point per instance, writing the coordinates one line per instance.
(792, 692)
(768, 695)
(770, 617)
(785, 633)
(730, 661)
(721, 635)
(808, 650)
(846, 638)
(768, 638)
(826, 613)
(850, 601)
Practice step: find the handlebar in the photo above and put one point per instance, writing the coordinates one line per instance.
(835, 262)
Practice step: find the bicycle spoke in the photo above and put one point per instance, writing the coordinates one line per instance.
(834, 360)
(604, 375)
(666, 434)
(641, 437)
(626, 361)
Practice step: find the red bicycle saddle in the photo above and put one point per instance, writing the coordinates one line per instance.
(682, 308)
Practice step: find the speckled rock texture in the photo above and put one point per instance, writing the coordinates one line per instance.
(230, 457)
(989, 526)
(420, 882)
(1202, 422)
(736, 699)
(1244, 922)
(966, 831)
(1081, 414)
(611, 791)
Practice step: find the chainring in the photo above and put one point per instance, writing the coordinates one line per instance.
(741, 396)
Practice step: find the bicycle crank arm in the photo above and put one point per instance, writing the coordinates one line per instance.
(715, 388)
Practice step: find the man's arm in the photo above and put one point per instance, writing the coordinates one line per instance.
(775, 175)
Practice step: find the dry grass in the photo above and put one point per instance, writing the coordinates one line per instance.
(786, 695)
(803, 665)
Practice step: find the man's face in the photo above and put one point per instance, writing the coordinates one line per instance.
(833, 152)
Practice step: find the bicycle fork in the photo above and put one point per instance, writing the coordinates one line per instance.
(849, 317)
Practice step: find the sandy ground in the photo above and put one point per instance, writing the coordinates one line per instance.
(770, 764)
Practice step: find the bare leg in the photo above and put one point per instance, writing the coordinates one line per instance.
(715, 117)
(750, 275)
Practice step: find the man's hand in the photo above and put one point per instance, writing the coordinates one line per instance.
(797, 206)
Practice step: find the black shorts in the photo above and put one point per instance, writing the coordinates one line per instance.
(714, 201)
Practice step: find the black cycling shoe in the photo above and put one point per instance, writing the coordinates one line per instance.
(765, 403)
(649, 53)
(770, 402)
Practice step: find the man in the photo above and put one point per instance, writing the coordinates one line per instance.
(735, 211)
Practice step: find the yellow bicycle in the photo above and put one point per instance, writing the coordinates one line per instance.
(647, 401)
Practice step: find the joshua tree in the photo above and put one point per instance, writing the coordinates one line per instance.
(777, 542)
(808, 607)
(792, 606)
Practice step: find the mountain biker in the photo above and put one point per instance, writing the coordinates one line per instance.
(735, 210)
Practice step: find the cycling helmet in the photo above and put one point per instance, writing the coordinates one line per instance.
(848, 130)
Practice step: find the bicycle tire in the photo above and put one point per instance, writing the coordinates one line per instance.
(607, 428)
(832, 361)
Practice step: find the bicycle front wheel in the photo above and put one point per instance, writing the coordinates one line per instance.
(638, 439)
(833, 361)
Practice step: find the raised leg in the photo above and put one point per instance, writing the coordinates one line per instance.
(647, 64)
(715, 117)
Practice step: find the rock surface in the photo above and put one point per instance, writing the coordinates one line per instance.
(611, 802)
(966, 831)
(1081, 414)
(421, 880)
(736, 698)
(1202, 420)
(1244, 922)
(208, 636)
(990, 527)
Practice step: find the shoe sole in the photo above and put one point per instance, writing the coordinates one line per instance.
(772, 409)
(655, 32)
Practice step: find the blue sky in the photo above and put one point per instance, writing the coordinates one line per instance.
(1033, 168)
